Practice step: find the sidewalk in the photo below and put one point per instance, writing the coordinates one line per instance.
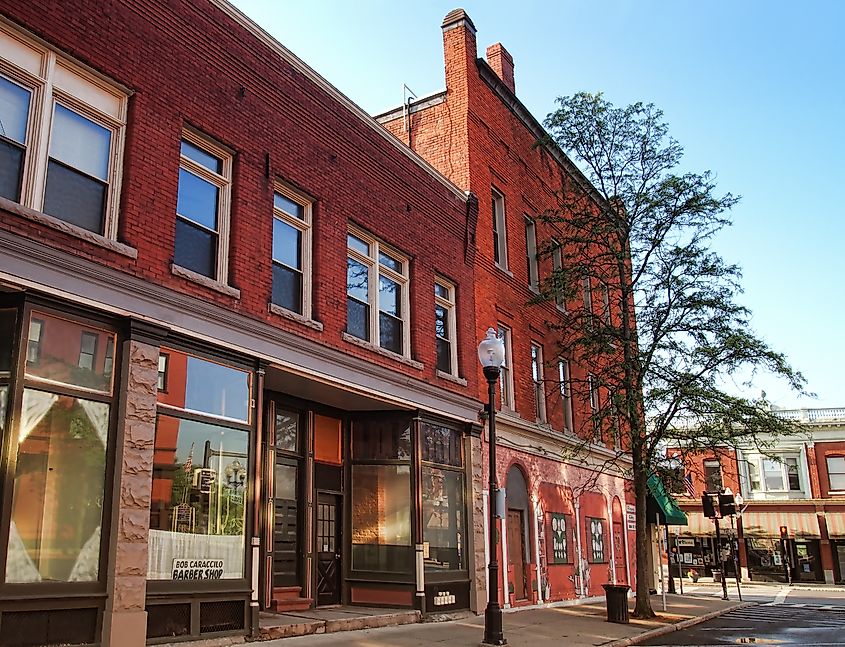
(575, 626)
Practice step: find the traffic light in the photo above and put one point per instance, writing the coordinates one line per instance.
(784, 532)
(727, 506)
(707, 505)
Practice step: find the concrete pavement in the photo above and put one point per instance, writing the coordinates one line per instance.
(574, 626)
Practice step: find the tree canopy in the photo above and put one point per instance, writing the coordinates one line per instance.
(659, 322)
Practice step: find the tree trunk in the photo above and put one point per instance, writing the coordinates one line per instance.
(642, 608)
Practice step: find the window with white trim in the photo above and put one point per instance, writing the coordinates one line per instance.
(537, 379)
(444, 325)
(377, 302)
(291, 251)
(500, 239)
(506, 376)
(202, 208)
(587, 294)
(565, 378)
(61, 136)
(557, 266)
(836, 473)
(531, 254)
(781, 474)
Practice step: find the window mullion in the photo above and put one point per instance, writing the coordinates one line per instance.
(42, 111)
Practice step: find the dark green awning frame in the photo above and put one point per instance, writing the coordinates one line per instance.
(663, 504)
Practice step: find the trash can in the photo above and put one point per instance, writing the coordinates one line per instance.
(616, 598)
(717, 575)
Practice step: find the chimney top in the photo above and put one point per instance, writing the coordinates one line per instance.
(501, 61)
(456, 18)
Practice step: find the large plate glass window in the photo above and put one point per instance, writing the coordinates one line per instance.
(59, 459)
(443, 506)
(201, 473)
(381, 495)
(61, 136)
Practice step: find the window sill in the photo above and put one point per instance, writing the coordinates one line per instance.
(503, 269)
(451, 378)
(199, 279)
(67, 228)
(381, 351)
(836, 493)
(293, 316)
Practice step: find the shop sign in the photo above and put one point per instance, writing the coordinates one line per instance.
(443, 598)
(630, 508)
(682, 541)
(197, 569)
(558, 538)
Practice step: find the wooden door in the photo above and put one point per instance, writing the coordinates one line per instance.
(516, 552)
(328, 549)
(619, 552)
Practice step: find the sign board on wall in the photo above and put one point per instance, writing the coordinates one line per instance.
(630, 508)
(681, 541)
(197, 569)
(559, 552)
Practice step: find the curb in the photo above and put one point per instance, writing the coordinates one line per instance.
(680, 626)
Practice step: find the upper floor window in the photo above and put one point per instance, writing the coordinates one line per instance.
(836, 473)
(605, 303)
(506, 376)
(781, 475)
(531, 253)
(566, 394)
(712, 476)
(594, 405)
(444, 324)
(537, 379)
(291, 251)
(202, 208)
(587, 294)
(500, 240)
(557, 266)
(377, 293)
(61, 136)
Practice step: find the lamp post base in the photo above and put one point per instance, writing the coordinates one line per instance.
(493, 634)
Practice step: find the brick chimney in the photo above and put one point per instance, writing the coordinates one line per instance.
(459, 48)
(501, 61)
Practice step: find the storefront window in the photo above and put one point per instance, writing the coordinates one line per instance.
(57, 505)
(199, 486)
(64, 352)
(375, 440)
(443, 508)
(200, 472)
(201, 386)
(381, 518)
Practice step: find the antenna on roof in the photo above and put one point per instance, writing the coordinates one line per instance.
(407, 95)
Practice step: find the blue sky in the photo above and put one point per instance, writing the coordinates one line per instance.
(753, 90)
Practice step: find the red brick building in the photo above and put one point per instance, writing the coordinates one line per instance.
(234, 373)
(797, 483)
(565, 530)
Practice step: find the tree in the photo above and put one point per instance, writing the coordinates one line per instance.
(666, 334)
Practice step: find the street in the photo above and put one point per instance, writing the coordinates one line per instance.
(782, 615)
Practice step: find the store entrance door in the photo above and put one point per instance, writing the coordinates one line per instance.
(328, 548)
(516, 552)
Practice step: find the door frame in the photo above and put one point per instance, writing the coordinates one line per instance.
(339, 546)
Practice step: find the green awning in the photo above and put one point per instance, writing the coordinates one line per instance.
(665, 505)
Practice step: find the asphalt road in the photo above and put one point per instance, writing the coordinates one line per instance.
(781, 616)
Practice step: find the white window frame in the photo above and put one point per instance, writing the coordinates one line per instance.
(448, 303)
(531, 254)
(784, 473)
(557, 266)
(54, 78)
(304, 226)
(712, 462)
(500, 230)
(506, 374)
(537, 379)
(829, 471)
(374, 270)
(223, 181)
(565, 376)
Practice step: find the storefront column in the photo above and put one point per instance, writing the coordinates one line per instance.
(478, 511)
(826, 549)
(125, 620)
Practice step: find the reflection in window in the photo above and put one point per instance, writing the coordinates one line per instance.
(57, 504)
(444, 327)
(286, 428)
(381, 518)
(62, 351)
(203, 386)
(385, 439)
(441, 445)
(443, 519)
(200, 481)
(162, 371)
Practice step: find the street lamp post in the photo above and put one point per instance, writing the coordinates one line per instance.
(491, 354)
